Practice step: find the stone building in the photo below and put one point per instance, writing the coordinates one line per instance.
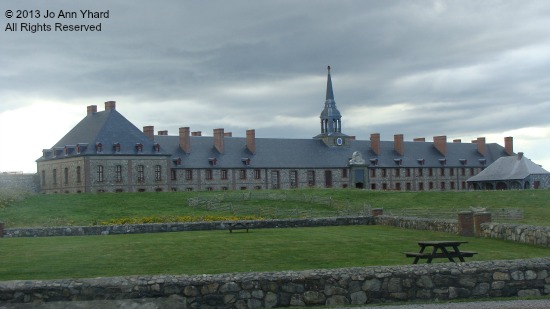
(106, 153)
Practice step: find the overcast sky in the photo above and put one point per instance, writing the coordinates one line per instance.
(464, 69)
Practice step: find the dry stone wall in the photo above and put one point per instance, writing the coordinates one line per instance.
(332, 287)
(534, 235)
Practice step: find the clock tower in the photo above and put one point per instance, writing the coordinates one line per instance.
(331, 121)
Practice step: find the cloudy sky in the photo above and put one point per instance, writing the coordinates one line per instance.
(464, 69)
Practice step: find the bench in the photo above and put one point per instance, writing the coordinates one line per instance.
(238, 226)
(440, 250)
(425, 255)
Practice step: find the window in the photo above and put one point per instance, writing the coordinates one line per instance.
(452, 185)
(420, 172)
(328, 179)
(257, 174)
(100, 173)
(311, 178)
(99, 147)
(43, 177)
(224, 174)
(293, 179)
(344, 173)
(118, 173)
(442, 186)
(275, 180)
(384, 186)
(141, 173)
(66, 176)
(158, 173)
(408, 186)
(188, 174)
(208, 174)
(420, 186)
(442, 171)
(54, 174)
(242, 174)
(384, 173)
(471, 171)
(117, 147)
(451, 172)
(139, 147)
(396, 172)
(372, 173)
(430, 172)
(78, 175)
(463, 185)
(408, 172)
(173, 175)
(398, 186)
(462, 171)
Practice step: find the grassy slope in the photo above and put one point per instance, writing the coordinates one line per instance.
(87, 209)
(221, 251)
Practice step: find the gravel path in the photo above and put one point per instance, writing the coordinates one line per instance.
(176, 302)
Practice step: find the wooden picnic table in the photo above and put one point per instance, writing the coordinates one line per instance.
(446, 249)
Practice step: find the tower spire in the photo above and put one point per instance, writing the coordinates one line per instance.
(331, 125)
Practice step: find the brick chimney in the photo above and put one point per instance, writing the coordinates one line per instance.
(458, 140)
(419, 139)
(110, 105)
(91, 109)
(185, 140)
(149, 131)
(375, 143)
(218, 140)
(481, 145)
(440, 143)
(251, 141)
(228, 134)
(509, 145)
(196, 133)
(163, 132)
(398, 144)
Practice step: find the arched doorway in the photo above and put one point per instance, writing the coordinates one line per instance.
(501, 186)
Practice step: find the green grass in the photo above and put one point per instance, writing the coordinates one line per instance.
(89, 209)
(207, 252)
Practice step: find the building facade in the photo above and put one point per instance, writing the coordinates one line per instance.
(105, 152)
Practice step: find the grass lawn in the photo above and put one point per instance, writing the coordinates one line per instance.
(220, 251)
(89, 209)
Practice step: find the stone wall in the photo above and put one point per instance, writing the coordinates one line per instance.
(334, 287)
(178, 227)
(413, 223)
(534, 235)
(20, 182)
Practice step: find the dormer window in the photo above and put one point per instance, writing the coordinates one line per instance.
(139, 147)
(374, 161)
(482, 161)
(177, 161)
(213, 161)
(398, 161)
(99, 147)
(81, 148)
(443, 161)
(421, 161)
(246, 161)
(463, 161)
(116, 147)
(78, 149)
(156, 147)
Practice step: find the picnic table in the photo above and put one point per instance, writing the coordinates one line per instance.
(238, 226)
(446, 249)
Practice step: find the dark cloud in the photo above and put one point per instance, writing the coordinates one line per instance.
(461, 68)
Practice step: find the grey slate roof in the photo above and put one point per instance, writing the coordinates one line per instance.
(509, 168)
(106, 127)
(313, 153)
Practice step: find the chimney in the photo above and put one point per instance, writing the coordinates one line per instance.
(440, 143)
(251, 140)
(520, 155)
(509, 145)
(149, 131)
(163, 132)
(196, 133)
(91, 109)
(419, 139)
(481, 145)
(218, 140)
(375, 143)
(185, 141)
(110, 105)
(228, 134)
(458, 140)
(398, 144)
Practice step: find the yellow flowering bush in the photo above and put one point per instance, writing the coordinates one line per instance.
(174, 219)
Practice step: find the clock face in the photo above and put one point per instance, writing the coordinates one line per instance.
(339, 141)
